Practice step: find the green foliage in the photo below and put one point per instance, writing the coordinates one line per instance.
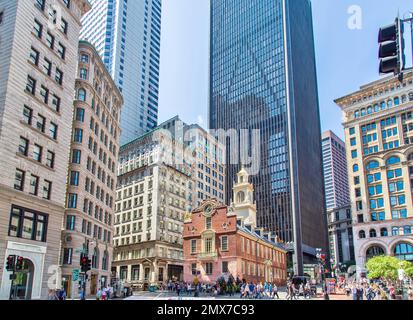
(385, 267)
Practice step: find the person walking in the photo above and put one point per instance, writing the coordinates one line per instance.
(52, 295)
(62, 294)
(275, 291)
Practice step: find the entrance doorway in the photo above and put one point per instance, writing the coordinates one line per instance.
(22, 285)
(175, 273)
(93, 284)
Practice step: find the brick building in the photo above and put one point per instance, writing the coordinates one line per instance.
(221, 240)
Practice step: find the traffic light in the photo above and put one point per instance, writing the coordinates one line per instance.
(19, 263)
(11, 263)
(85, 263)
(391, 50)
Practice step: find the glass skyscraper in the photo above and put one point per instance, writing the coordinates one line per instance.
(127, 36)
(263, 76)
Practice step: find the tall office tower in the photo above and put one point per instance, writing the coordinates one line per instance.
(127, 36)
(378, 122)
(335, 171)
(38, 59)
(263, 76)
(91, 189)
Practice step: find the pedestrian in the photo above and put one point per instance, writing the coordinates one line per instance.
(275, 291)
(62, 294)
(52, 295)
(104, 294)
(99, 294)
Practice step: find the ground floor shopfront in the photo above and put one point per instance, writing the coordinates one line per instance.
(141, 274)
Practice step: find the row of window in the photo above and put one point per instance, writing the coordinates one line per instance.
(396, 231)
(37, 153)
(20, 184)
(383, 105)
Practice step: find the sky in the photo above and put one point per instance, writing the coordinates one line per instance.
(346, 56)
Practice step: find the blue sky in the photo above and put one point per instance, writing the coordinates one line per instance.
(346, 58)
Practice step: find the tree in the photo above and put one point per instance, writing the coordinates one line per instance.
(386, 268)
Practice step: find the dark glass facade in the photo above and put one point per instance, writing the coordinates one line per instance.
(263, 76)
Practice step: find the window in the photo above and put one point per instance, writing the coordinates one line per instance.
(19, 180)
(50, 40)
(353, 142)
(28, 224)
(208, 268)
(56, 103)
(393, 161)
(41, 123)
(53, 131)
(34, 185)
(31, 85)
(224, 266)
(61, 50)
(27, 115)
(50, 159)
(373, 165)
(34, 56)
(373, 233)
(404, 251)
(81, 95)
(38, 29)
(67, 256)
(354, 154)
(72, 201)
(384, 232)
(395, 231)
(47, 67)
(64, 26)
(208, 223)
(47, 189)
(362, 234)
(194, 270)
(224, 243)
(24, 146)
(76, 156)
(44, 93)
(70, 223)
(193, 246)
(59, 76)
(78, 135)
(37, 153)
(67, 3)
(83, 73)
(356, 168)
(74, 178)
(1, 17)
(80, 114)
(84, 58)
(352, 131)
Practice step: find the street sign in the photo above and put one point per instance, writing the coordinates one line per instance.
(75, 275)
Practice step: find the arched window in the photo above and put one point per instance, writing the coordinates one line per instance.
(410, 157)
(373, 233)
(390, 103)
(373, 165)
(392, 161)
(240, 197)
(356, 168)
(383, 105)
(83, 73)
(362, 234)
(81, 94)
(407, 230)
(376, 108)
(357, 114)
(404, 251)
(374, 251)
(395, 231)
(369, 110)
(363, 112)
(396, 101)
(95, 259)
(105, 260)
(411, 96)
(384, 232)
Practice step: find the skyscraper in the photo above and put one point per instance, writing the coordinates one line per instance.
(127, 36)
(335, 171)
(263, 76)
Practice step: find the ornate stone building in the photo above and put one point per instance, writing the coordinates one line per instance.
(38, 59)
(222, 241)
(91, 190)
(378, 122)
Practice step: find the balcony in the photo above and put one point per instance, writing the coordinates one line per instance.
(208, 256)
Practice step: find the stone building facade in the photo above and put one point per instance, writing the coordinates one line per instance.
(223, 241)
(378, 122)
(152, 199)
(91, 191)
(38, 59)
